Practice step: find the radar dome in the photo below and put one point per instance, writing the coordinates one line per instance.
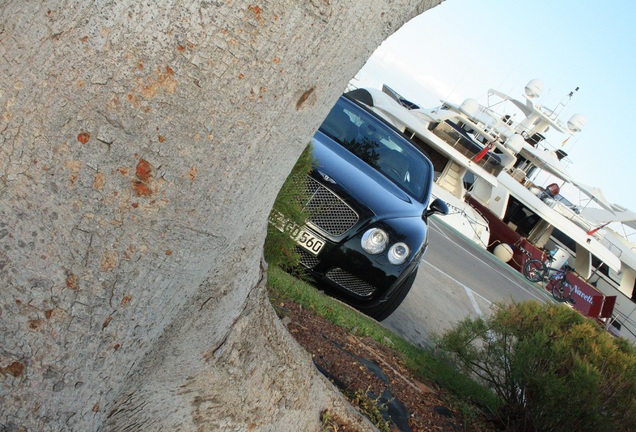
(470, 107)
(576, 122)
(515, 143)
(534, 88)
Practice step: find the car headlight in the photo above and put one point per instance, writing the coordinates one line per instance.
(398, 253)
(374, 241)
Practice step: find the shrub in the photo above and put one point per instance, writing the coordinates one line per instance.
(552, 368)
(279, 247)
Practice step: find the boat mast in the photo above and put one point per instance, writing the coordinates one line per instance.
(563, 103)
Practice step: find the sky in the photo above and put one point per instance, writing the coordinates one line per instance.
(462, 48)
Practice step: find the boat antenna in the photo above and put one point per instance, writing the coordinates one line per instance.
(564, 101)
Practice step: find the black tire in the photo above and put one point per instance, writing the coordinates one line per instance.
(383, 310)
(569, 297)
(534, 270)
(557, 290)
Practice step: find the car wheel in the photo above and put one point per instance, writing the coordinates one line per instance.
(383, 310)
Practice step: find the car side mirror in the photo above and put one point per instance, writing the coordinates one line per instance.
(438, 206)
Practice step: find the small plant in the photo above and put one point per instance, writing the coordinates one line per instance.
(371, 409)
(331, 422)
(328, 421)
(279, 247)
(552, 369)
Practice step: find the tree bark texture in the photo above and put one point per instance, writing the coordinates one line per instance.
(141, 147)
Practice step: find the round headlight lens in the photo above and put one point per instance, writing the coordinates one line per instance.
(398, 253)
(374, 241)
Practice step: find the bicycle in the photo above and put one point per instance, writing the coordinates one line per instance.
(559, 285)
(537, 271)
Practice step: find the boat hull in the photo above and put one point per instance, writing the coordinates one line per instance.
(590, 302)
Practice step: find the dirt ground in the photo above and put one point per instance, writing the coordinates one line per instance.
(363, 366)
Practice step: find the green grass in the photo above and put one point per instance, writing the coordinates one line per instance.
(424, 364)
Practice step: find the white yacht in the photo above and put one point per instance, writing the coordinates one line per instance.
(488, 159)
(519, 208)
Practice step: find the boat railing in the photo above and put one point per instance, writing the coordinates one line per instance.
(568, 213)
(458, 139)
(584, 224)
(544, 143)
(609, 244)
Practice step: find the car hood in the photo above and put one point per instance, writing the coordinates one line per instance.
(358, 183)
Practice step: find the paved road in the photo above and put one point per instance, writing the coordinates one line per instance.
(457, 279)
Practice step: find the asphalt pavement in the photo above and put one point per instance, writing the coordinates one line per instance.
(457, 279)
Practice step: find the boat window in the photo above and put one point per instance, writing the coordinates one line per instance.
(469, 180)
(521, 217)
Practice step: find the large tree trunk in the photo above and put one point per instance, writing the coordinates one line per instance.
(141, 147)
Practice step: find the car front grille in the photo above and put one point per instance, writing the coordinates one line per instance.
(306, 259)
(351, 283)
(338, 276)
(328, 212)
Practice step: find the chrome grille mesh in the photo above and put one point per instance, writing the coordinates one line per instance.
(351, 283)
(328, 212)
(306, 259)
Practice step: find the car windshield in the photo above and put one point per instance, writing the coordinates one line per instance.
(379, 146)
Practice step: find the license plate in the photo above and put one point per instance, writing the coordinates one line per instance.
(301, 235)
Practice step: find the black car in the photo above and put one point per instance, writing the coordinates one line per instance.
(368, 197)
